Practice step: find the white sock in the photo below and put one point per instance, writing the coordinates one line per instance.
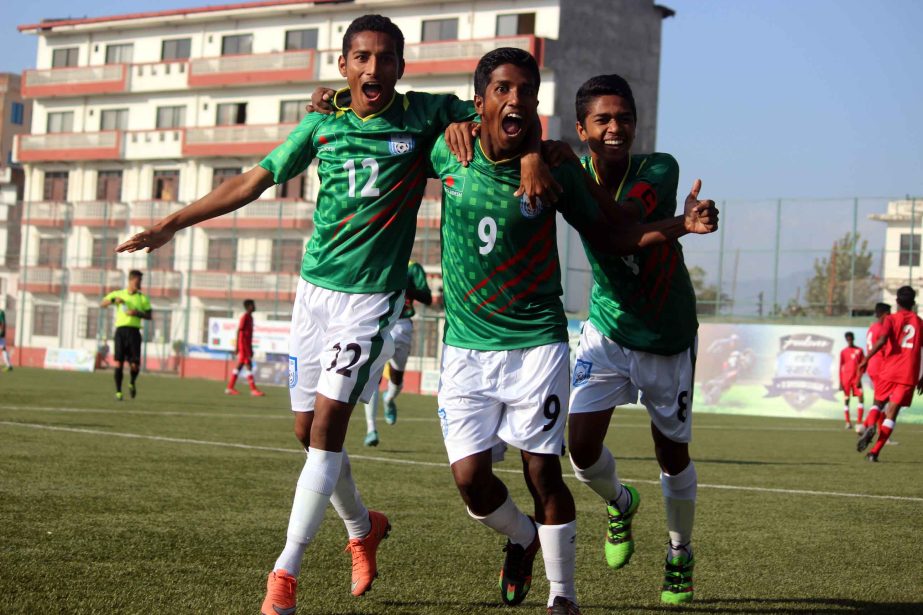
(6, 357)
(679, 493)
(559, 550)
(315, 485)
(602, 478)
(348, 503)
(509, 521)
(860, 408)
(371, 409)
(393, 391)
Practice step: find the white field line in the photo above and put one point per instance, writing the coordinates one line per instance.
(413, 462)
(357, 416)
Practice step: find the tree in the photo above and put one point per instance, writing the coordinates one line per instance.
(849, 265)
(707, 294)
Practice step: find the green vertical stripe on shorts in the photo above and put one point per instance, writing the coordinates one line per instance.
(377, 342)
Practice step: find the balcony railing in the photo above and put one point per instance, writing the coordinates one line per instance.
(75, 81)
(94, 280)
(243, 285)
(105, 145)
(100, 214)
(279, 67)
(41, 279)
(159, 283)
(237, 140)
(145, 213)
(46, 213)
(152, 144)
(462, 56)
(266, 214)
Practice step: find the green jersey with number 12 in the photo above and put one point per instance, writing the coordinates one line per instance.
(372, 172)
(645, 301)
(501, 275)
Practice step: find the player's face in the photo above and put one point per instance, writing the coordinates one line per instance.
(608, 128)
(372, 69)
(134, 284)
(508, 108)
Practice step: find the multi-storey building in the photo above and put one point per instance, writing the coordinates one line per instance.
(15, 118)
(901, 264)
(137, 115)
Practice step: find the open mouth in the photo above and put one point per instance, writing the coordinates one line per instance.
(614, 142)
(512, 124)
(372, 91)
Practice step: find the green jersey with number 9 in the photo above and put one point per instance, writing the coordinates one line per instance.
(372, 174)
(500, 268)
(645, 301)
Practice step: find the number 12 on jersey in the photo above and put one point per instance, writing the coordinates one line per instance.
(369, 189)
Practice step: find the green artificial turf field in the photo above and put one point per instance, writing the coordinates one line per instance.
(178, 502)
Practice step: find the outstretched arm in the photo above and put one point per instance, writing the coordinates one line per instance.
(229, 196)
(878, 345)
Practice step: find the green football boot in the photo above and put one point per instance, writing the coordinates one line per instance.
(619, 542)
(371, 438)
(390, 412)
(677, 582)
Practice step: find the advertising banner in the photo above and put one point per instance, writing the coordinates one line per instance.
(70, 359)
(269, 336)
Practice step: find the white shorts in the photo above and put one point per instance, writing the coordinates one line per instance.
(513, 396)
(607, 375)
(339, 344)
(402, 334)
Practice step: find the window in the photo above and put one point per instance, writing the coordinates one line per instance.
(55, 186)
(230, 114)
(51, 252)
(222, 254)
(104, 255)
(171, 117)
(113, 119)
(219, 176)
(162, 257)
(291, 111)
(236, 44)
(61, 121)
(286, 254)
(109, 186)
(45, 320)
(301, 39)
(166, 187)
(910, 251)
(64, 57)
(17, 113)
(440, 30)
(159, 328)
(119, 54)
(513, 25)
(176, 49)
(98, 320)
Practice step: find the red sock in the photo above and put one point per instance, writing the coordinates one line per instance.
(251, 382)
(860, 411)
(232, 381)
(846, 414)
(872, 418)
(881, 418)
(885, 432)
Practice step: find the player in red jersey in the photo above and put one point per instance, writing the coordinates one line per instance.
(244, 349)
(851, 378)
(876, 330)
(900, 372)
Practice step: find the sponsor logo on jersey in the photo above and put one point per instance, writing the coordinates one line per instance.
(327, 142)
(292, 371)
(444, 421)
(454, 185)
(529, 210)
(401, 143)
(582, 370)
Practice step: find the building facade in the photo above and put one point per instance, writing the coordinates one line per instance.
(137, 115)
(15, 119)
(901, 264)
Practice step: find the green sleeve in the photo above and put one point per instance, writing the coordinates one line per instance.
(145, 304)
(440, 110)
(441, 160)
(292, 157)
(654, 189)
(418, 277)
(112, 296)
(576, 203)
(2, 318)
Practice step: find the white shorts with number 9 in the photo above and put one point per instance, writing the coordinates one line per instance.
(339, 344)
(607, 375)
(513, 396)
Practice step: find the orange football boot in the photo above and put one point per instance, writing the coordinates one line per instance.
(363, 550)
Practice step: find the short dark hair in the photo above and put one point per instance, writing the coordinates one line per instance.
(906, 297)
(374, 23)
(248, 303)
(603, 85)
(491, 60)
(881, 309)
(849, 335)
(134, 273)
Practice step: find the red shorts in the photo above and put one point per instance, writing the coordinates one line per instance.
(245, 356)
(899, 394)
(853, 387)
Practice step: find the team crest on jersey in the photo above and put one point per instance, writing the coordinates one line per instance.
(454, 185)
(292, 371)
(582, 370)
(528, 209)
(326, 142)
(444, 422)
(401, 143)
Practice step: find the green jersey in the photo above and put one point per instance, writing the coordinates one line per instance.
(501, 275)
(372, 172)
(416, 280)
(130, 301)
(645, 301)
(2, 323)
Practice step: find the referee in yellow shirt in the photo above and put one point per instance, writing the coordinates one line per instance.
(131, 307)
